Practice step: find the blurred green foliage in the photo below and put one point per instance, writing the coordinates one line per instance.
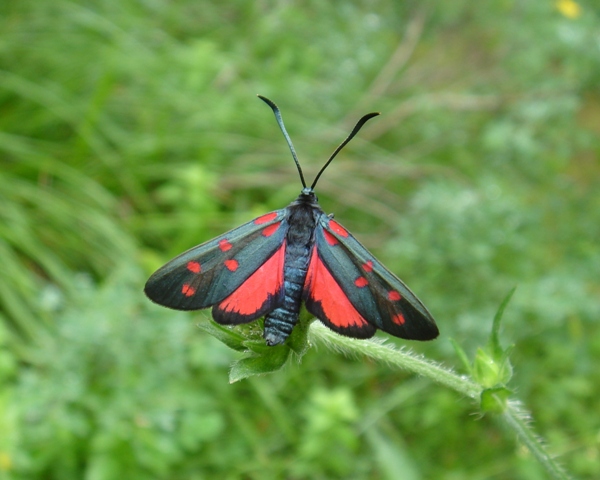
(129, 131)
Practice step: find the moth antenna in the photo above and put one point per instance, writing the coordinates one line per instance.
(354, 131)
(277, 113)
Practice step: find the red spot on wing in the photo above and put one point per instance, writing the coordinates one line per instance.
(329, 298)
(265, 218)
(188, 290)
(271, 229)
(337, 228)
(224, 245)
(194, 267)
(367, 267)
(361, 282)
(398, 319)
(329, 238)
(251, 295)
(232, 264)
(394, 296)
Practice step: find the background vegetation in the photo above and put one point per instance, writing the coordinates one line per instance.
(129, 131)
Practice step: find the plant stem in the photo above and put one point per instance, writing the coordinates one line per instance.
(518, 421)
(398, 357)
(514, 418)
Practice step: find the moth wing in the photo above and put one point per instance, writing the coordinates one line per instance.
(366, 295)
(240, 273)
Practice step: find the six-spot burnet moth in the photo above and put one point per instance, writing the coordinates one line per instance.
(270, 265)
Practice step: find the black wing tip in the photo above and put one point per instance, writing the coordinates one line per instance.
(153, 294)
(419, 331)
(427, 335)
(418, 325)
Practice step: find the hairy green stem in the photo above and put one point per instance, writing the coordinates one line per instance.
(399, 357)
(518, 421)
(513, 417)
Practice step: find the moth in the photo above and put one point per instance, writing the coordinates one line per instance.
(271, 265)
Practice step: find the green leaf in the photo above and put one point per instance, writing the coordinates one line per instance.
(494, 341)
(270, 361)
(492, 366)
(228, 336)
(462, 356)
(298, 340)
(485, 370)
(489, 372)
(495, 400)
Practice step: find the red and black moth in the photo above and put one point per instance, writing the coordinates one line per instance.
(269, 266)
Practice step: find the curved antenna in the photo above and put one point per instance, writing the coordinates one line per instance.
(354, 131)
(277, 113)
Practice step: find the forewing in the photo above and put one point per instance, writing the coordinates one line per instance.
(240, 272)
(377, 295)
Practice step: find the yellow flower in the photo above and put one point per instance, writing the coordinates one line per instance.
(569, 8)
